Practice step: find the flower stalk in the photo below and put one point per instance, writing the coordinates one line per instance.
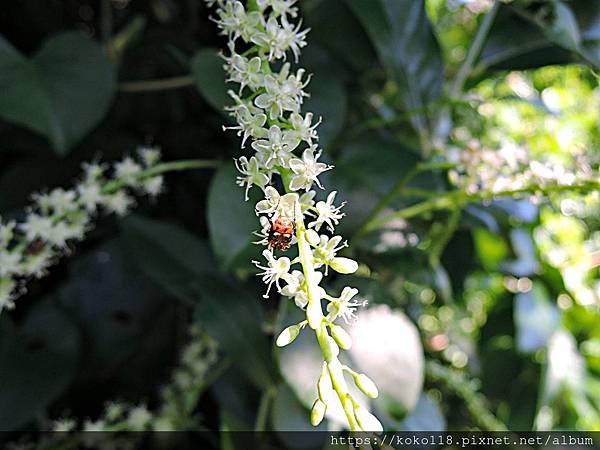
(267, 108)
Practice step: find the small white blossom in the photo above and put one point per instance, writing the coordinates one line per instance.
(7, 232)
(277, 149)
(128, 171)
(58, 201)
(303, 127)
(270, 203)
(327, 213)
(275, 269)
(246, 72)
(119, 203)
(345, 306)
(296, 287)
(153, 186)
(251, 121)
(36, 226)
(90, 195)
(251, 174)
(307, 170)
(7, 293)
(284, 92)
(279, 38)
(10, 262)
(150, 156)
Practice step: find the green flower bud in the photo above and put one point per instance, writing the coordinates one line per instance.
(287, 336)
(366, 385)
(344, 265)
(317, 413)
(366, 420)
(342, 338)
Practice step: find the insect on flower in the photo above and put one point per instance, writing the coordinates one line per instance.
(281, 233)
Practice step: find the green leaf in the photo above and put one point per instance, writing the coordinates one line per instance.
(37, 362)
(568, 34)
(328, 97)
(62, 92)
(181, 264)
(231, 220)
(564, 29)
(408, 49)
(209, 77)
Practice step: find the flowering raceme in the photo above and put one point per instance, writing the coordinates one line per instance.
(267, 108)
(56, 218)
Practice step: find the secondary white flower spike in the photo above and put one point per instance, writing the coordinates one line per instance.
(267, 108)
(61, 216)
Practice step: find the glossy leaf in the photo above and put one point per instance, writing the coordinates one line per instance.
(62, 92)
(402, 34)
(225, 311)
(209, 78)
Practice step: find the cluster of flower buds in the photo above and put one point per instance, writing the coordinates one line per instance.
(510, 168)
(267, 109)
(59, 217)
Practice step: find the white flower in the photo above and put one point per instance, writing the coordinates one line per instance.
(93, 171)
(7, 232)
(279, 38)
(281, 7)
(10, 262)
(234, 21)
(275, 269)
(296, 287)
(265, 225)
(251, 121)
(119, 203)
(150, 156)
(325, 254)
(58, 201)
(36, 264)
(36, 226)
(63, 231)
(306, 170)
(327, 213)
(251, 174)
(139, 418)
(277, 149)
(7, 293)
(154, 185)
(344, 306)
(128, 171)
(283, 93)
(270, 203)
(90, 195)
(246, 72)
(303, 127)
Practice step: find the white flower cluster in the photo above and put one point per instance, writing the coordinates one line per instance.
(510, 168)
(267, 109)
(58, 217)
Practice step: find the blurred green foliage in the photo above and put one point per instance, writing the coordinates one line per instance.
(509, 298)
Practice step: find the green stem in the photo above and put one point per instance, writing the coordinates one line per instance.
(173, 166)
(397, 190)
(474, 50)
(314, 313)
(459, 198)
(156, 85)
(263, 408)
